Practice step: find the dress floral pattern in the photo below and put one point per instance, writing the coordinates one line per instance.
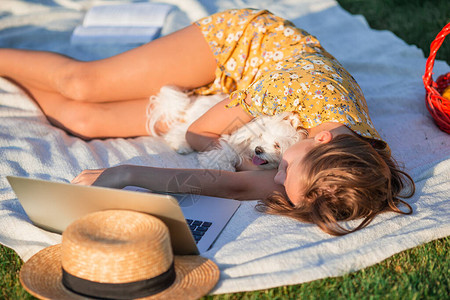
(283, 69)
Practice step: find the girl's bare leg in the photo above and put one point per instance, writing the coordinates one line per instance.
(115, 90)
(94, 120)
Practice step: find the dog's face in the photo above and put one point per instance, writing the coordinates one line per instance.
(268, 148)
(268, 138)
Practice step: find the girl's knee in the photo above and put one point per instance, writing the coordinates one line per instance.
(76, 82)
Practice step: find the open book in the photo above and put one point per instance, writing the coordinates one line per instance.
(133, 23)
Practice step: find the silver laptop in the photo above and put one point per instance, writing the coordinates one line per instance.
(194, 221)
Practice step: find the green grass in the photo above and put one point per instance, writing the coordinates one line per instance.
(418, 273)
(10, 264)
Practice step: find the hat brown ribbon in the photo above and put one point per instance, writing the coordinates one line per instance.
(136, 289)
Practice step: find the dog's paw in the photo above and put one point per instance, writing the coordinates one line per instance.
(181, 146)
(184, 149)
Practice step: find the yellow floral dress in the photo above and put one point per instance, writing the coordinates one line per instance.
(283, 69)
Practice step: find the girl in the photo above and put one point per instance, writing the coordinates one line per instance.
(341, 171)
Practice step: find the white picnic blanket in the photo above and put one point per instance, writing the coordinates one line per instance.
(255, 251)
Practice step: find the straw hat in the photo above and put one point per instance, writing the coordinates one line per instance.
(117, 254)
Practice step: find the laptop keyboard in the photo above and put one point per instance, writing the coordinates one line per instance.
(198, 228)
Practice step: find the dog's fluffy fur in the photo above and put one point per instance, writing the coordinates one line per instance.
(262, 141)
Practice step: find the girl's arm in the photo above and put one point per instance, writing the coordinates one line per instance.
(246, 185)
(202, 135)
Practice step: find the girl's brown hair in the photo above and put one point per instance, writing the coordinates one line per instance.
(346, 179)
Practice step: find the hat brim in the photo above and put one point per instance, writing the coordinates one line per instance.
(41, 276)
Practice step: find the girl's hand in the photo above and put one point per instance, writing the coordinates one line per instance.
(114, 177)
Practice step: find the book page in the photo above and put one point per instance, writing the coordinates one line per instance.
(133, 14)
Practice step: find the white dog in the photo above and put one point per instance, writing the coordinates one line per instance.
(261, 141)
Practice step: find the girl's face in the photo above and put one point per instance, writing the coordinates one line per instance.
(291, 167)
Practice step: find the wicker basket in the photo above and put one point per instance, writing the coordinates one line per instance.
(438, 106)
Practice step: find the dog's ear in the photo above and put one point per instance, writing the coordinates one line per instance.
(293, 119)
